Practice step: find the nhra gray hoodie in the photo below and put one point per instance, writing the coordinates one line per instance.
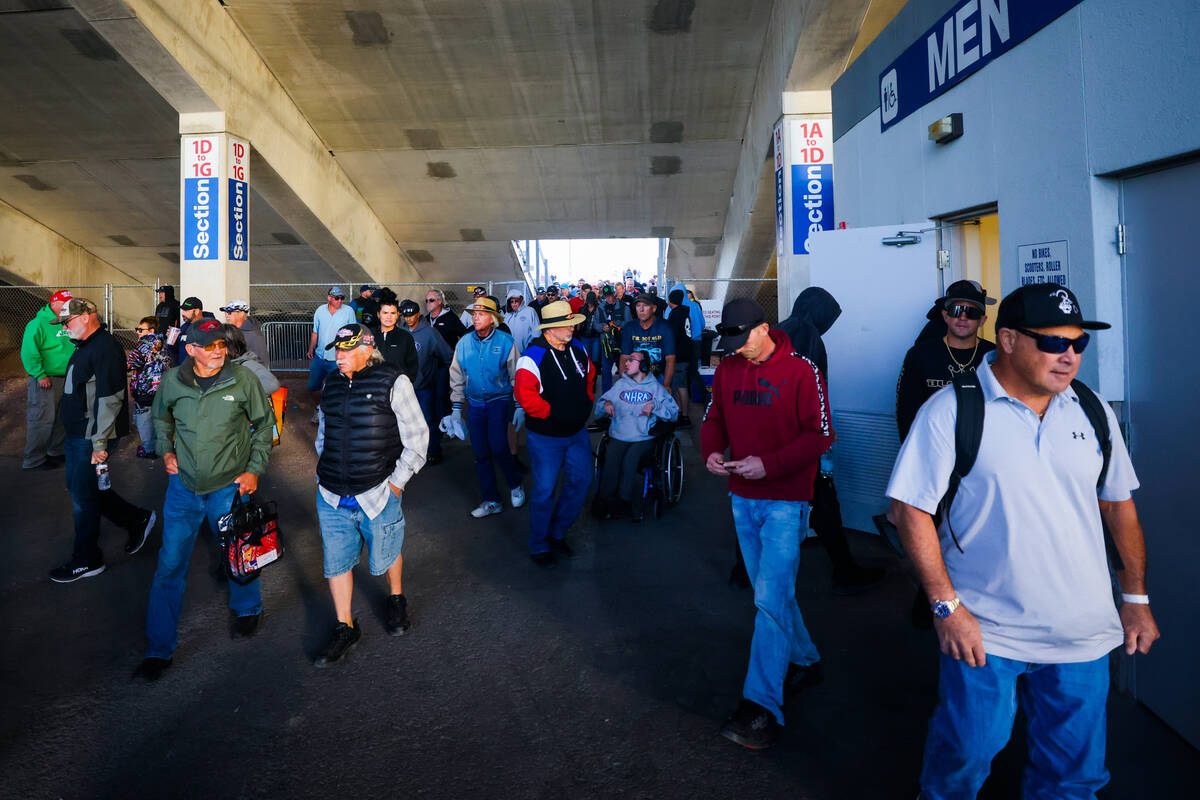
(628, 396)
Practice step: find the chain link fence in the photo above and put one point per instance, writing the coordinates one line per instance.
(120, 305)
(714, 293)
(285, 311)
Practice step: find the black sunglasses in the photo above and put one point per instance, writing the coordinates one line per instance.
(1057, 344)
(737, 330)
(430, 299)
(970, 312)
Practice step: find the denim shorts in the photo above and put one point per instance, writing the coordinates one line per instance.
(679, 380)
(343, 531)
(318, 371)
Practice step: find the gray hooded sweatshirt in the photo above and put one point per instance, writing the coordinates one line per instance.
(628, 396)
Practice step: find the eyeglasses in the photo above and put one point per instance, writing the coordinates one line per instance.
(737, 330)
(219, 344)
(970, 312)
(144, 330)
(1057, 344)
(430, 299)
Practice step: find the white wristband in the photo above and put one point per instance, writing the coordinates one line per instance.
(1139, 599)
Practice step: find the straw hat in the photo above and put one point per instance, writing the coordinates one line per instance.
(558, 315)
(488, 305)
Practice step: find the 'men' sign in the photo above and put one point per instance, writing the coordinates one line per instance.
(958, 45)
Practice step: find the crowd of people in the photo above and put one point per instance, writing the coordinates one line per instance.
(1008, 484)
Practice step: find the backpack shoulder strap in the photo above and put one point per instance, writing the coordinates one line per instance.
(968, 433)
(1094, 409)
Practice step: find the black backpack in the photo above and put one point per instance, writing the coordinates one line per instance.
(968, 433)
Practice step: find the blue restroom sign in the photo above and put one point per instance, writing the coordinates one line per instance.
(962, 42)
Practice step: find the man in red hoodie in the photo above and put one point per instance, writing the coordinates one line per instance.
(769, 412)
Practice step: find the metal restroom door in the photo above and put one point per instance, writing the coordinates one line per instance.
(1162, 276)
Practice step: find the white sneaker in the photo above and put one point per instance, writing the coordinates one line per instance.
(487, 509)
(517, 496)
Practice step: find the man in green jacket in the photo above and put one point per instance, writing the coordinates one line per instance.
(45, 351)
(213, 425)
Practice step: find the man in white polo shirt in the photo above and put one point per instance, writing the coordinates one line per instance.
(1017, 574)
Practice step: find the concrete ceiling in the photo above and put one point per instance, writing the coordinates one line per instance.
(463, 124)
(515, 119)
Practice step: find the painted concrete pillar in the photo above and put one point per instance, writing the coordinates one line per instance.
(214, 224)
(804, 203)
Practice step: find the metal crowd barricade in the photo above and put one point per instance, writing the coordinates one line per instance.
(287, 345)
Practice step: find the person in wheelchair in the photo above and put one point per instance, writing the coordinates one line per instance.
(637, 404)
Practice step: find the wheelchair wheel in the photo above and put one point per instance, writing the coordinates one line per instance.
(598, 455)
(672, 471)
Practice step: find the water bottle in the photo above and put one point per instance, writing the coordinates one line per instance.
(102, 479)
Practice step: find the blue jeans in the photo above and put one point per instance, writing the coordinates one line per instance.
(144, 422)
(89, 503)
(318, 371)
(427, 399)
(183, 511)
(769, 534)
(548, 456)
(606, 372)
(489, 440)
(1066, 707)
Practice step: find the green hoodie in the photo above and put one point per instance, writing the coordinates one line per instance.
(217, 434)
(45, 347)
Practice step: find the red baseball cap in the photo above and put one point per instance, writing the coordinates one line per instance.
(61, 296)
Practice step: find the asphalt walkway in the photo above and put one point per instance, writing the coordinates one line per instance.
(607, 676)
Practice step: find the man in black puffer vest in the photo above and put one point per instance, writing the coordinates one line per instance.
(371, 440)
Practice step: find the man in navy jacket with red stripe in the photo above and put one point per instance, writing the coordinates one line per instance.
(769, 411)
(554, 384)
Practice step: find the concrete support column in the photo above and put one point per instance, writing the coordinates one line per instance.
(803, 139)
(214, 224)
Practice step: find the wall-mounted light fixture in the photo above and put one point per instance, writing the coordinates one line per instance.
(901, 238)
(946, 129)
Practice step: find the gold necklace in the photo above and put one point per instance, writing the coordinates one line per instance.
(961, 367)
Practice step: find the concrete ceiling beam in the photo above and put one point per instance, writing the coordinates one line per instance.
(195, 55)
(807, 46)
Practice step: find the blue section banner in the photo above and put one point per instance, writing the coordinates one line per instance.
(961, 43)
(812, 203)
(200, 197)
(239, 221)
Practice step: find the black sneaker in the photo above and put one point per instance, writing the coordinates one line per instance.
(45, 465)
(542, 559)
(560, 548)
(56, 461)
(139, 531)
(802, 677)
(857, 580)
(244, 627)
(751, 726)
(151, 669)
(74, 570)
(396, 615)
(343, 639)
